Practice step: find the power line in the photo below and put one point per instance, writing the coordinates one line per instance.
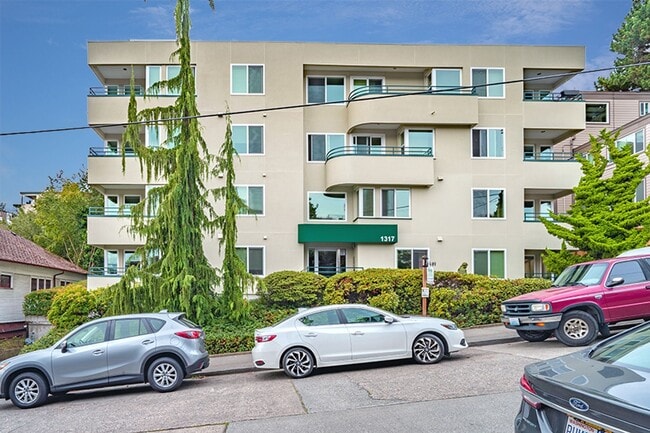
(344, 101)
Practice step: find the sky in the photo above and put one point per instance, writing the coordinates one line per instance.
(45, 78)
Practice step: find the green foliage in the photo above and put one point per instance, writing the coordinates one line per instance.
(556, 261)
(54, 335)
(174, 217)
(292, 289)
(11, 347)
(24, 224)
(38, 303)
(361, 286)
(604, 219)
(74, 305)
(388, 301)
(476, 300)
(631, 42)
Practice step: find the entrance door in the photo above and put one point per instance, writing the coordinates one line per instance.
(327, 262)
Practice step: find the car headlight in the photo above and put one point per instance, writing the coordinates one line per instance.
(450, 325)
(540, 308)
(503, 308)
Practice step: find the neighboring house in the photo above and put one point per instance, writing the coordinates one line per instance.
(26, 267)
(454, 165)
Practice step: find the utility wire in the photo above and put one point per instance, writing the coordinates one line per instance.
(344, 101)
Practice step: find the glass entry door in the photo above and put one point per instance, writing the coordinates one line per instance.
(327, 262)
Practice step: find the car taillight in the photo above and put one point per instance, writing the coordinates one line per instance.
(264, 338)
(528, 392)
(190, 334)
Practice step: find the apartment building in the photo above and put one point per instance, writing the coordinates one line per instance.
(389, 154)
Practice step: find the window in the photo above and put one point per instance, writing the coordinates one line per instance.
(488, 143)
(639, 194)
(247, 79)
(253, 197)
(325, 89)
(597, 113)
(418, 140)
(367, 202)
(318, 145)
(152, 136)
(490, 262)
(125, 328)
(636, 141)
(172, 72)
(441, 80)
(131, 259)
(91, 334)
(248, 139)
(129, 202)
(368, 144)
(367, 85)
(111, 205)
(644, 108)
(110, 262)
(545, 208)
(153, 77)
(409, 258)
(41, 283)
(253, 258)
(327, 261)
(5, 281)
(112, 147)
(529, 210)
(361, 315)
(488, 203)
(329, 206)
(631, 272)
(489, 82)
(321, 319)
(396, 203)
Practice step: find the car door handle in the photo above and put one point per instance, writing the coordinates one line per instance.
(98, 352)
(647, 287)
(311, 334)
(357, 333)
(145, 342)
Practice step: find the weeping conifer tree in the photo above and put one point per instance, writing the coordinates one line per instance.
(174, 273)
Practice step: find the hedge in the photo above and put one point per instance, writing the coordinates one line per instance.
(38, 303)
(292, 289)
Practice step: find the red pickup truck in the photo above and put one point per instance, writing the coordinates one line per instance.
(583, 301)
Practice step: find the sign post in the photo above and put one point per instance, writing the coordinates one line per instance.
(425, 288)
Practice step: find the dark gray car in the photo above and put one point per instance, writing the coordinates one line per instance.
(156, 348)
(604, 389)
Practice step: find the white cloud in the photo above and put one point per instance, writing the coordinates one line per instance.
(586, 81)
(159, 20)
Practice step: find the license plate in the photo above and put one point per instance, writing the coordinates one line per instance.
(514, 321)
(574, 425)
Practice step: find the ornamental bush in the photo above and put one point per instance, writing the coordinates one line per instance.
(74, 305)
(292, 289)
(38, 303)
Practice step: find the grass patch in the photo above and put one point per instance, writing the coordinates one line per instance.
(10, 347)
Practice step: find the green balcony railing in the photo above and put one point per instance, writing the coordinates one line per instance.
(407, 90)
(121, 211)
(549, 156)
(106, 271)
(545, 95)
(109, 151)
(378, 151)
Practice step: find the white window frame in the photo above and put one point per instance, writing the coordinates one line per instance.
(326, 77)
(406, 132)
(248, 65)
(167, 90)
(488, 156)
(248, 125)
(606, 104)
(381, 203)
(248, 248)
(643, 188)
(245, 199)
(148, 84)
(345, 209)
(411, 249)
(127, 206)
(11, 281)
(488, 85)
(488, 217)
(433, 84)
(644, 108)
(361, 203)
(367, 79)
(489, 250)
(327, 144)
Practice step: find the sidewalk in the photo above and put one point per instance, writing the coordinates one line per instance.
(243, 362)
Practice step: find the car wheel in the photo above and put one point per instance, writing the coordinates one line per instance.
(535, 336)
(165, 375)
(428, 349)
(28, 390)
(577, 328)
(298, 363)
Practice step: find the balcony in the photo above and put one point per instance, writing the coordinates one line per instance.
(105, 168)
(109, 104)
(385, 165)
(109, 226)
(552, 174)
(562, 114)
(546, 96)
(548, 156)
(411, 104)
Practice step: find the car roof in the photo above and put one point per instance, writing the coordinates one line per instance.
(635, 252)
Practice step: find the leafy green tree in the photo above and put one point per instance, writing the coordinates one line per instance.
(605, 219)
(175, 274)
(24, 224)
(632, 42)
(234, 275)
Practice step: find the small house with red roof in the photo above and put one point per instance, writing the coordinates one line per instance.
(26, 267)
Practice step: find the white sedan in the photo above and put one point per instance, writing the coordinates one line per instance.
(352, 334)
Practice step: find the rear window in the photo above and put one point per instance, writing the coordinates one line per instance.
(156, 324)
(630, 350)
(187, 322)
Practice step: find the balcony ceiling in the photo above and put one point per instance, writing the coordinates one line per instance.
(119, 72)
(550, 83)
(554, 135)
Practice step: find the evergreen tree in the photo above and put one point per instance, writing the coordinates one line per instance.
(604, 220)
(174, 217)
(632, 42)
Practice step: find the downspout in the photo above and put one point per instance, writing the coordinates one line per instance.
(54, 278)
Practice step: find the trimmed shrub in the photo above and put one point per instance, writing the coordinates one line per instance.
(292, 289)
(388, 301)
(54, 335)
(38, 303)
(74, 305)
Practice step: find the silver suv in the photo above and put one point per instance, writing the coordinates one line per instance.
(158, 348)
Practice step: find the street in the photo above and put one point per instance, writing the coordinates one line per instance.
(475, 390)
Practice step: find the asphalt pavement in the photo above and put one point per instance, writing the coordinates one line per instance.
(243, 362)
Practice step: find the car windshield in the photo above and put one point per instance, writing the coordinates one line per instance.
(631, 350)
(586, 274)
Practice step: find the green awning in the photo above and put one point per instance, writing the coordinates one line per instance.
(350, 233)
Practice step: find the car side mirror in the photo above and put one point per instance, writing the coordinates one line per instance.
(388, 320)
(617, 281)
(64, 346)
